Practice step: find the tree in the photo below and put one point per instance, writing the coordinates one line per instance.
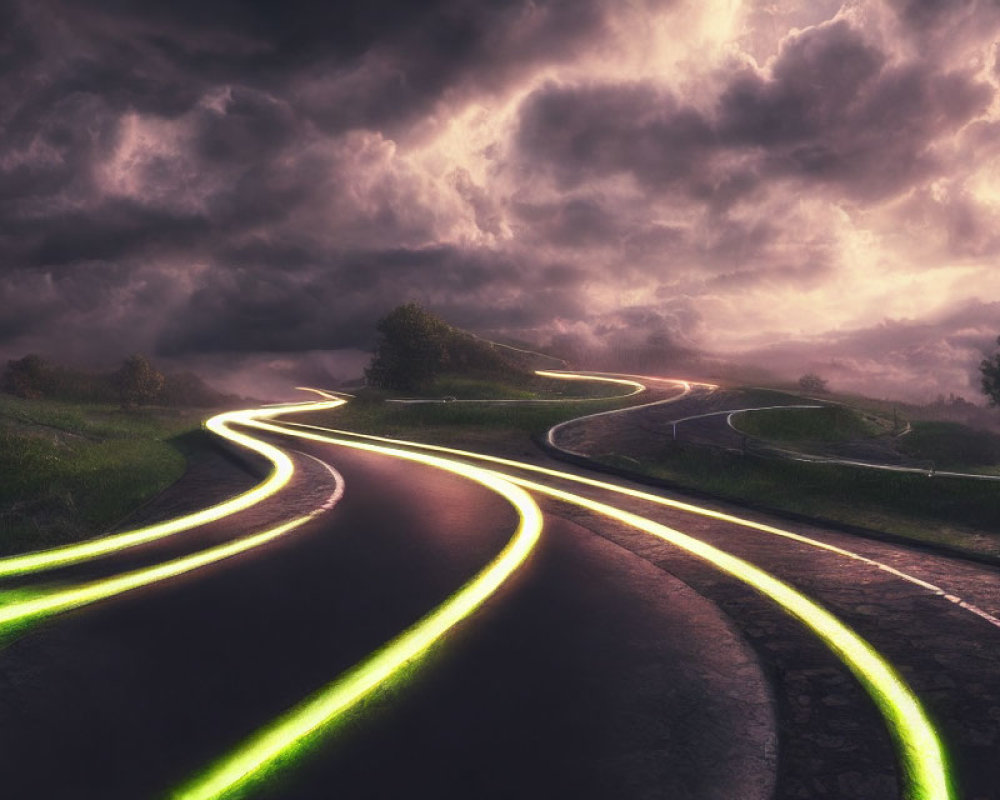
(812, 383)
(990, 370)
(411, 349)
(30, 377)
(137, 381)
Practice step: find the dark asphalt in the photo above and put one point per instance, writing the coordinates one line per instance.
(831, 742)
(594, 674)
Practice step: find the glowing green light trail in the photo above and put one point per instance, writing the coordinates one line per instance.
(920, 750)
(576, 376)
(280, 474)
(261, 751)
(20, 607)
(669, 503)
(15, 614)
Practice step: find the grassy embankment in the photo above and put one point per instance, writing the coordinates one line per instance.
(952, 446)
(801, 425)
(70, 471)
(961, 513)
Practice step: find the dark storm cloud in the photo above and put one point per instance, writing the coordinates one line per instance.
(346, 64)
(580, 222)
(234, 177)
(109, 231)
(600, 130)
(249, 309)
(831, 111)
(231, 191)
(449, 47)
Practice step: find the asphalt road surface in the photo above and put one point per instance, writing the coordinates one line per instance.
(612, 664)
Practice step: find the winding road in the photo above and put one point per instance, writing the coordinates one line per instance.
(379, 618)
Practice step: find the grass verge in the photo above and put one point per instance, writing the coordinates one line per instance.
(953, 446)
(959, 513)
(533, 387)
(827, 424)
(69, 471)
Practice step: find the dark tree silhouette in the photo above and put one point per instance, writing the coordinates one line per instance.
(411, 349)
(137, 381)
(990, 370)
(414, 347)
(813, 384)
(30, 377)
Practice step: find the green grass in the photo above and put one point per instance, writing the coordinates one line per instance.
(827, 424)
(532, 388)
(957, 512)
(951, 445)
(69, 471)
(455, 423)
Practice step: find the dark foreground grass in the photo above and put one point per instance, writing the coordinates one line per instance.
(69, 471)
(960, 513)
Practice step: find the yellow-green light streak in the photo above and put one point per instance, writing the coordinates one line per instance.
(264, 748)
(41, 603)
(678, 505)
(281, 473)
(574, 376)
(920, 750)
(18, 613)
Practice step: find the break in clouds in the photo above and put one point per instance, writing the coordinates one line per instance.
(799, 186)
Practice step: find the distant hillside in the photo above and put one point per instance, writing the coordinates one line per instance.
(415, 346)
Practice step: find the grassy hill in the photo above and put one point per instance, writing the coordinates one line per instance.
(415, 347)
(71, 470)
(827, 424)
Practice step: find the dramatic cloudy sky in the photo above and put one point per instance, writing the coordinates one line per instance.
(801, 185)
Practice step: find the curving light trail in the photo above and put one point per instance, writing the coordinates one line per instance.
(281, 473)
(677, 505)
(263, 749)
(664, 501)
(288, 733)
(44, 603)
(920, 750)
(685, 386)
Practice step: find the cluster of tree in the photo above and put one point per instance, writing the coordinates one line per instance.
(811, 383)
(136, 382)
(953, 400)
(415, 346)
(990, 372)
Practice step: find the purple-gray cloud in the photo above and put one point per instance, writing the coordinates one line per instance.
(800, 186)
